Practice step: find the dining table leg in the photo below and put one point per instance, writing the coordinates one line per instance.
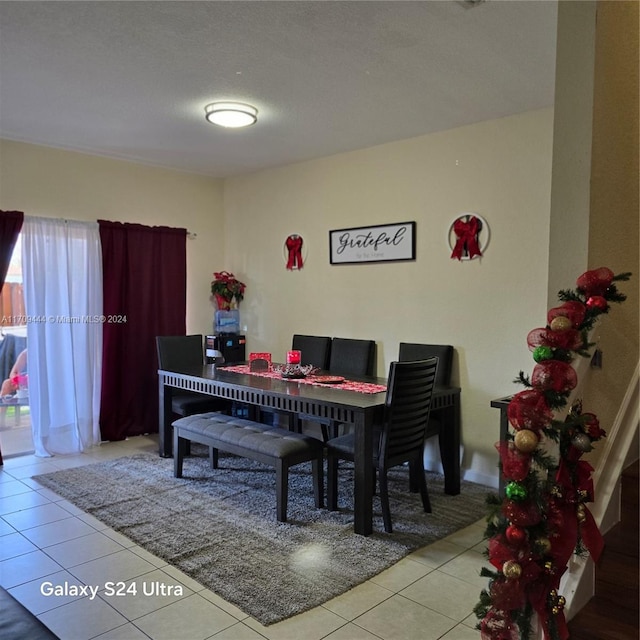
(165, 438)
(449, 440)
(363, 480)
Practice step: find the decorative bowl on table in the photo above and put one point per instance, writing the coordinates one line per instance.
(293, 371)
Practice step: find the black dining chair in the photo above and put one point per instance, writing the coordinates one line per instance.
(349, 357)
(400, 436)
(352, 357)
(315, 349)
(444, 353)
(176, 353)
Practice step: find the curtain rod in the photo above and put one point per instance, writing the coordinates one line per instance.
(192, 235)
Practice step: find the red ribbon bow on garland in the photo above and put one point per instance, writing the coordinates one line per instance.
(294, 247)
(467, 234)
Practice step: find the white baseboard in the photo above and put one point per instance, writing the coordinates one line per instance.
(470, 475)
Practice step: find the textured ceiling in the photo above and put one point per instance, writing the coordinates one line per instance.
(130, 79)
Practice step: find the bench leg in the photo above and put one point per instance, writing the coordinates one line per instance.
(318, 481)
(179, 450)
(213, 457)
(282, 490)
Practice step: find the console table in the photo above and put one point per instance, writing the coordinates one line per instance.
(502, 404)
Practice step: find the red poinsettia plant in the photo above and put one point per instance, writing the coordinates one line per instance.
(226, 290)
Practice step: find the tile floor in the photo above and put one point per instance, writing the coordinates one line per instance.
(46, 542)
(15, 431)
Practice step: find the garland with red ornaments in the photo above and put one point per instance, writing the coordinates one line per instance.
(543, 518)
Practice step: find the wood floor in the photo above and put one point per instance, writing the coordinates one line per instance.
(612, 614)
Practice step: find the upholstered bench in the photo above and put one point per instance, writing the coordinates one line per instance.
(277, 447)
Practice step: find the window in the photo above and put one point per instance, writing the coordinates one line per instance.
(12, 311)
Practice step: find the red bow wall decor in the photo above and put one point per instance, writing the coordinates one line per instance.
(293, 246)
(469, 232)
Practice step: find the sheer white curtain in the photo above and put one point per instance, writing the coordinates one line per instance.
(62, 273)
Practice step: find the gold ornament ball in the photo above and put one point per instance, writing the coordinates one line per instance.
(511, 569)
(544, 545)
(548, 566)
(555, 611)
(526, 441)
(580, 513)
(561, 601)
(560, 323)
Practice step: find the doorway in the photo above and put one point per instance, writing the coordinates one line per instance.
(15, 416)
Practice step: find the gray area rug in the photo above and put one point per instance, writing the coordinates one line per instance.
(219, 526)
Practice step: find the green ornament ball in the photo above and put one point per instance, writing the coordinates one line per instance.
(516, 491)
(542, 353)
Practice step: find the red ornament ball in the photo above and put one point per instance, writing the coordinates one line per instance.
(597, 302)
(515, 535)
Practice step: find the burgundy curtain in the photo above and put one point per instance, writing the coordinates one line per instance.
(145, 295)
(10, 225)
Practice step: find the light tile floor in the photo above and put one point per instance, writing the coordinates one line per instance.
(45, 541)
(15, 431)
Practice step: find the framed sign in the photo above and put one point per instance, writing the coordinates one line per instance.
(380, 243)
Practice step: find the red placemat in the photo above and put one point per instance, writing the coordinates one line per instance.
(347, 385)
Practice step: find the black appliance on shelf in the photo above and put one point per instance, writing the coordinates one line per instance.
(230, 345)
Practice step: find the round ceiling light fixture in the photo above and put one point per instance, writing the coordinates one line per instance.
(231, 114)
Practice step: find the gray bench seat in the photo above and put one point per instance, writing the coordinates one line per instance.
(17, 622)
(279, 448)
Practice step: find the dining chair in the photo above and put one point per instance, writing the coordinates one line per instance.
(180, 352)
(352, 357)
(444, 353)
(400, 436)
(315, 349)
(348, 357)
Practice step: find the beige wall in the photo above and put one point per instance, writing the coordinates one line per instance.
(52, 183)
(573, 118)
(614, 221)
(499, 169)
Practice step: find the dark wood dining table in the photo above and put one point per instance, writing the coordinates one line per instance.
(323, 401)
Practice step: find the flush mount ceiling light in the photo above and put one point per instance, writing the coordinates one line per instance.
(231, 114)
